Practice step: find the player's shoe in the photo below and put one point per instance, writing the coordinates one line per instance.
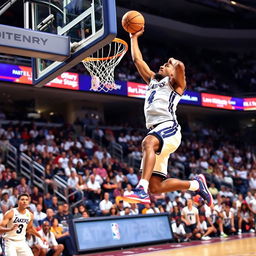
(203, 189)
(139, 196)
(223, 235)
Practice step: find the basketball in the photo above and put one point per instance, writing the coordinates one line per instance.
(133, 21)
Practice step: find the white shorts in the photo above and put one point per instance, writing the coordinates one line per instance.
(169, 136)
(16, 248)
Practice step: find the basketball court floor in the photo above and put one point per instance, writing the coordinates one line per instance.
(244, 245)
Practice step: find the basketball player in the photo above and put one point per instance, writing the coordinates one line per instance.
(19, 221)
(164, 92)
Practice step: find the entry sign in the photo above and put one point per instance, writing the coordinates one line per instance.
(26, 42)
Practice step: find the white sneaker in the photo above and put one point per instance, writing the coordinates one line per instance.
(252, 230)
(239, 232)
(205, 238)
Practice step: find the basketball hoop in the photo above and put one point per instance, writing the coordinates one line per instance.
(102, 63)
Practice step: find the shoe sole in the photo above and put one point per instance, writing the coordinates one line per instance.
(133, 200)
(201, 176)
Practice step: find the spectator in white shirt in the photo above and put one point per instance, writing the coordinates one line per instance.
(63, 160)
(39, 216)
(105, 204)
(51, 246)
(94, 188)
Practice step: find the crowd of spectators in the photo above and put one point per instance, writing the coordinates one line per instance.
(99, 179)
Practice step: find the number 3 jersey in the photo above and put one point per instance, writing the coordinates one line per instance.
(161, 102)
(22, 221)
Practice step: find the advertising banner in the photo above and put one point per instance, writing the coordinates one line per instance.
(136, 90)
(220, 101)
(190, 97)
(23, 75)
(249, 104)
(85, 84)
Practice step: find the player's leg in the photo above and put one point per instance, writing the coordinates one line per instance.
(23, 249)
(9, 248)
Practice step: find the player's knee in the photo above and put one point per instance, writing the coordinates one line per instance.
(147, 143)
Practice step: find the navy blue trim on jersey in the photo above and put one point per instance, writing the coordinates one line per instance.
(161, 142)
(170, 107)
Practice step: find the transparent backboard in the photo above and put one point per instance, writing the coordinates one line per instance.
(90, 24)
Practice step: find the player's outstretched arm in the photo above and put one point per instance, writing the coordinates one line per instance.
(143, 68)
(7, 217)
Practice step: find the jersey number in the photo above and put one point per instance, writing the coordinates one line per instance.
(151, 97)
(19, 230)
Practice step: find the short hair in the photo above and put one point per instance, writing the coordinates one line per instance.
(23, 194)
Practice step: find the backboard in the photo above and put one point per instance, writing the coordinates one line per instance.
(90, 24)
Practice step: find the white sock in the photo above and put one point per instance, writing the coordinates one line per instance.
(194, 185)
(144, 184)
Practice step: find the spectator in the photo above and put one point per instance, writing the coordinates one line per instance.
(51, 247)
(190, 216)
(62, 238)
(94, 188)
(132, 177)
(39, 216)
(105, 204)
(228, 220)
(23, 188)
(6, 201)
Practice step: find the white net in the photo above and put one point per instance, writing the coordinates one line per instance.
(102, 63)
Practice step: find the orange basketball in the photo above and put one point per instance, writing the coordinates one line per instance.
(133, 21)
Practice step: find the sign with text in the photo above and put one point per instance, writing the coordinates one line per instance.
(27, 42)
(249, 104)
(190, 97)
(220, 101)
(136, 90)
(23, 75)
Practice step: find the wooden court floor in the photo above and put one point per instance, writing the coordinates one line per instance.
(239, 247)
(244, 245)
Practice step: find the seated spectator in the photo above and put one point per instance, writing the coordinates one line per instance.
(94, 188)
(105, 204)
(114, 211)
(228, 220)
(13, 182)
(49, 215)
(36, 196)
(51, 247)
(62, 238)
(108, 186)
(6, 201)
(23, 188)
(39, 216)
(214, 191)
(205, 230)
(190, 216)
(178, 230)
(35, 244)
(245, 219)
(132, 177)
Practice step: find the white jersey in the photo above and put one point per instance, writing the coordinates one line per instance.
(190, 215)
(227, 218)
(161, 102)
(22, 220)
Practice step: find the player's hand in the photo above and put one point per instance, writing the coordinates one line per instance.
(179, 72)
(137, 34)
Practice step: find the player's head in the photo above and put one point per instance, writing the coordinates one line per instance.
(23, 200)
(167, 69)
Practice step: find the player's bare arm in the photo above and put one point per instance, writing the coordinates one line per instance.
(142, 67)
(179, 78)
(7, 217)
